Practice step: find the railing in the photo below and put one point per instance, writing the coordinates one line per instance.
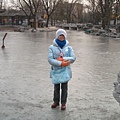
(74, 26)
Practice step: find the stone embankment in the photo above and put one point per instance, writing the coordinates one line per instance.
(9, 28)
(49, 29)
(16, 28)
(104, 33)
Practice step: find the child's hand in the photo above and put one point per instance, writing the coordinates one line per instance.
(59, 59)
(65, 60)
(65, 63)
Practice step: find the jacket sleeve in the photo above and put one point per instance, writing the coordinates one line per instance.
(71, 57)
(51, 58)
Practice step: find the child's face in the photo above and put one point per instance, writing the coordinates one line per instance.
(61, 37)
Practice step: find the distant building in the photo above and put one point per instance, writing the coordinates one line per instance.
(77, 13)
(12, 17)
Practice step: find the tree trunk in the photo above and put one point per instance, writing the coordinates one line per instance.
(51, 21)
(47, 20)
(34, 24)
(103, 23)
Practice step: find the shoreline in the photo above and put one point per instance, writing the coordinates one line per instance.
(14, 28)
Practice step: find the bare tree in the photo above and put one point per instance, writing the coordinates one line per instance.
(2, 6)
(106, 11)
(77, 14)
(50, 6)
(93, 9)
(116, 10)
(69, 10)
(102, 9)
(29, 7)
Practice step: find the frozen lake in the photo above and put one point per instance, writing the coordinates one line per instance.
(26, 90)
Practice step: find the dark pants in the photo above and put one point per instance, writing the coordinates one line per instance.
(64, 88)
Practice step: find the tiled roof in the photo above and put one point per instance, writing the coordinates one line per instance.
(12, 13)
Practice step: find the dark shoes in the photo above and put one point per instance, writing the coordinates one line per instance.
(54, 105)
(63, 107)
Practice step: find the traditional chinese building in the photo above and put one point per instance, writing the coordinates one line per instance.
(12, 17)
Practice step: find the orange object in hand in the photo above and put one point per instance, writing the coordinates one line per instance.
(65, 63)
(64, 60)
(59, 58)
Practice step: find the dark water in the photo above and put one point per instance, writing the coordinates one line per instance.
(25, 87)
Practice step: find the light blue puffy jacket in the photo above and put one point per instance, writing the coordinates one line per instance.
(54, 52)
